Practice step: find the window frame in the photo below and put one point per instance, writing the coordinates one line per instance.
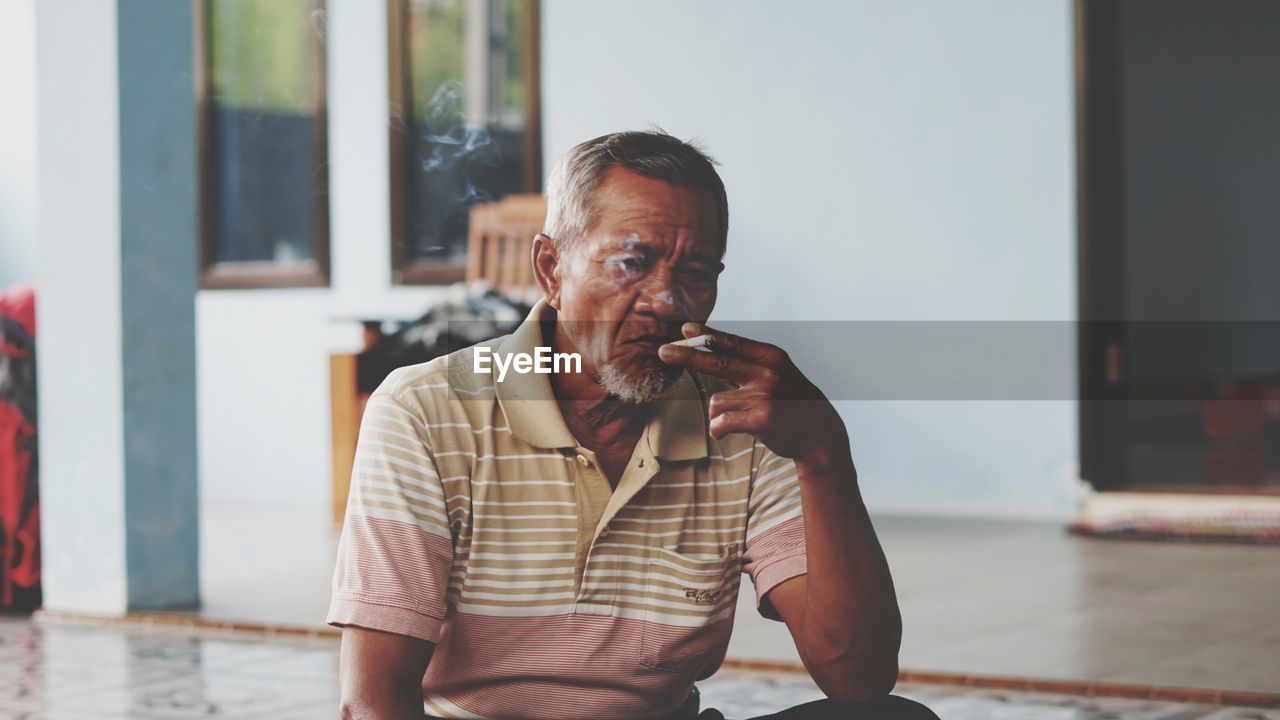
(404, 269)
(265, 274)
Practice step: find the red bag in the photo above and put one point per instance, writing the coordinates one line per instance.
(19, 490)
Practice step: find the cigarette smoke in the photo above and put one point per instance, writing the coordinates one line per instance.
(319, 24)
(449, 139)
(449, 151)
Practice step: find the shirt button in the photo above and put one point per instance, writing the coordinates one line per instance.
(605, 531)
(583, 461)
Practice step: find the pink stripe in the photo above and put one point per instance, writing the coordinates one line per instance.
(366, 613)
(572, 666)
(775, 555)
(393, 563)
(782, 539)
(775, 573)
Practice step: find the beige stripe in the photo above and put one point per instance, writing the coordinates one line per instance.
(783, 507)
(425, 519)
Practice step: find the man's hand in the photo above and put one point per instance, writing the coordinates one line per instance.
(773, 402)
(843, 613)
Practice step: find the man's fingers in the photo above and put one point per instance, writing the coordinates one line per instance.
(735, 370)
(735, 345)
(734, 421)
(729, 400)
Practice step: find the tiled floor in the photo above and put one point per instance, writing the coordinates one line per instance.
(72, 672)
(1027, 600)
(109, 673)
(1015, 599)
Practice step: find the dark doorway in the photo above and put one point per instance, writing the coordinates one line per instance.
(1179, 147)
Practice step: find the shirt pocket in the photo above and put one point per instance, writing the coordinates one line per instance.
(688, 597)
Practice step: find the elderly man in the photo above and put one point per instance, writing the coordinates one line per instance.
(569, 544)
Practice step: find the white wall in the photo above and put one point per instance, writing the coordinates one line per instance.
(885, 160)
(79, 323)
(18, 176)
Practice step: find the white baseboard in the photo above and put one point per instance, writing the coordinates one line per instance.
(1105, 508)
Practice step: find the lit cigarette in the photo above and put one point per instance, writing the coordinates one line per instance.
(698, 342)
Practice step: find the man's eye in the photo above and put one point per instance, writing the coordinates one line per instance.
(629, 264)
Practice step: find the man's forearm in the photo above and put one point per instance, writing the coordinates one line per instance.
(380, 675)
(389, 700)
(852, 627)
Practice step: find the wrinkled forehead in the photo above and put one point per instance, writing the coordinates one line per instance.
(631, 210)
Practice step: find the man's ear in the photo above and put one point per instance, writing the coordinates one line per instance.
(546, 268)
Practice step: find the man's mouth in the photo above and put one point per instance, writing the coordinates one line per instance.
(651, 341)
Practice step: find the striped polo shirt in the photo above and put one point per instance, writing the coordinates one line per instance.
(476, 521)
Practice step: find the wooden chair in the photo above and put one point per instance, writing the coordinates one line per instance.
(499, 246)
(500, 242)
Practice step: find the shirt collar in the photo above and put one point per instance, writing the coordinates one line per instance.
(677, 431)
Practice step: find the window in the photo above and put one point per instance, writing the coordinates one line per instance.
(464, 123)
(264, 173)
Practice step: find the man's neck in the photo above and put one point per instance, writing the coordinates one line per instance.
(597, 419)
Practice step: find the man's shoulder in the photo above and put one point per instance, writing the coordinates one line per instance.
(448, 376)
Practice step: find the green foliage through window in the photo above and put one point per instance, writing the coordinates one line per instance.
(265, 54)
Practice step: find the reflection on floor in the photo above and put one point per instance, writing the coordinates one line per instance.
(1011, 599)
(72, 672)
(61, 673)
(739, 694)
(1026, 600)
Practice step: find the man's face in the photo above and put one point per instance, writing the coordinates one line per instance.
(649, 264)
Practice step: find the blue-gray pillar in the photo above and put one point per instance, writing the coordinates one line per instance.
(158, 283)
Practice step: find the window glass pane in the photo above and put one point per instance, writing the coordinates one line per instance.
(466, 132)
(266, 171)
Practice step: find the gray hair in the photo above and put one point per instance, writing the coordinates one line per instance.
(654, 154)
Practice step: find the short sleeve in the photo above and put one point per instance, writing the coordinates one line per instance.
(775, 549)
(396, 550)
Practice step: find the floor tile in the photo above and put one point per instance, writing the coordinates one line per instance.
(118, 672)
